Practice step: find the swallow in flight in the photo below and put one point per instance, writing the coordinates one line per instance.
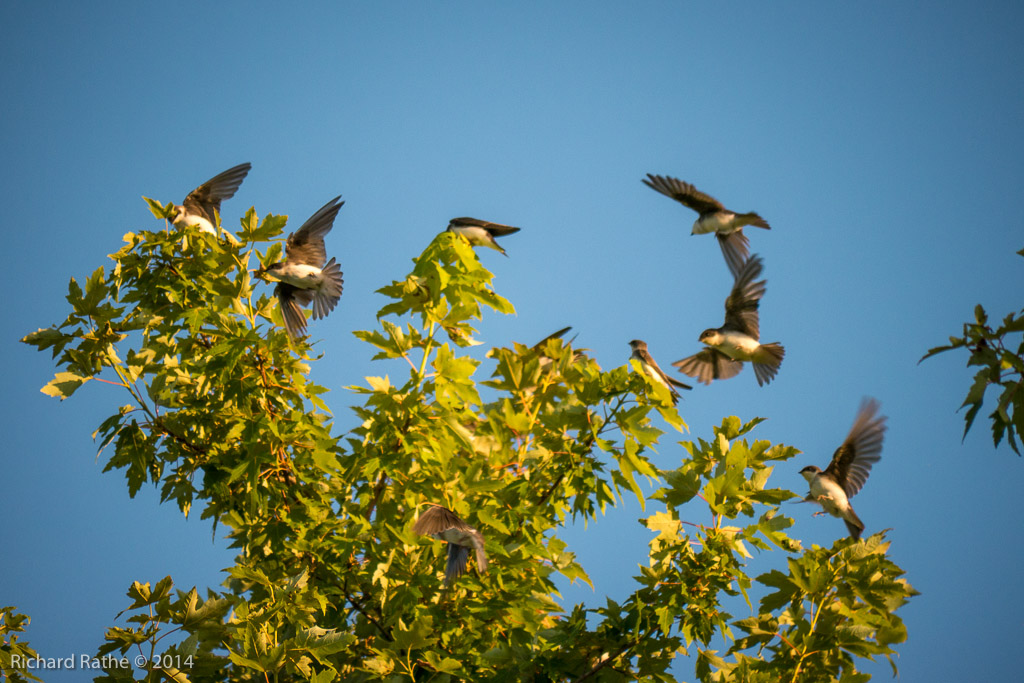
(202, 205)
(303, 276)
(712, 217)
(736, 341)
(850, 467)
(444, 525)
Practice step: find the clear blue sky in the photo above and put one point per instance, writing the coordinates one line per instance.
(882, 141)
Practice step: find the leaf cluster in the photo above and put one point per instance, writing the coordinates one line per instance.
(12, 652)
(1000, 360)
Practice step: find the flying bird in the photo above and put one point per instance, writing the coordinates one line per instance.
(303, 276)
(202, 205)
(736, 340)
(850, 467)
(654, 371)
(444, 525)
(481, 233)
(713, 217)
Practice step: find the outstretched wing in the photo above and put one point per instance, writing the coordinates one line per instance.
(744, 299)
(684, 193)
(851, 463)
(735, 248)
(306, 245)
(437, 519)
(709, 364)
(205, 200)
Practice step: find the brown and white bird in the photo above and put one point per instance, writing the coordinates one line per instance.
(481, 233)
(202, 205)
(850, 467)
(303, 276)
(444, 525)
(654, 371)
(736, 341)
(712, 217)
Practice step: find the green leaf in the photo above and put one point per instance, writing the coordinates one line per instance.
(442, 664)
(418, 635)
(64, 384)
(158, 209)
(665, 524)
(245, 661)
(47, 338)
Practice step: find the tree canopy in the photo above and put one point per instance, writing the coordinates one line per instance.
(331, 583)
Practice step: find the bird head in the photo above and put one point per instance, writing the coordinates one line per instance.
(638, 345)
(710, 337)
(810, 472)
(177, 212)
(270, 272)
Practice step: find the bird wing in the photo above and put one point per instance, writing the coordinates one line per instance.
(735, 248)
(653, 364)
(741, 305)
(206, 199)
(709, 364)
(306, 245)
(437, 519)
(684, 193)
(677, 384)
(851, 463)
(496, 229)
(290, 299)
(554, 335)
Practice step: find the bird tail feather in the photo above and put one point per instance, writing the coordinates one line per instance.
(457, 556)
(853, 524)
(331, 286)
(766, 361)
(754, 219)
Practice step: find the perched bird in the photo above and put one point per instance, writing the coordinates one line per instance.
(444, 525)
(303, 277)
(654, 371)
(202, 205)
(737, 339)
(481, 233)
(727, 225)
(850, 467)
